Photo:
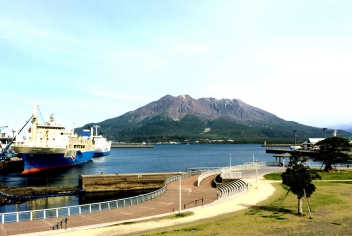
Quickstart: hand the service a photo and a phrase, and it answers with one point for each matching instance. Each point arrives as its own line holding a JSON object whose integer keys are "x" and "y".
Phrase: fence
{"x": 245, "y": 166}
{"x": 88, "y": 208}
{"x": 234, "y": 187}
{"x": 231, "y": 175}
{"x": 315, "y": 165}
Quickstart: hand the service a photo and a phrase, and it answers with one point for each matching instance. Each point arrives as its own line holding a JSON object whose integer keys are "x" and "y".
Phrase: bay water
{"x": 161, "y": 158}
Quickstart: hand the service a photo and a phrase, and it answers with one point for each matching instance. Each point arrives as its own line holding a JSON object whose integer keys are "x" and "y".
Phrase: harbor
{"x": 122, "y": 161}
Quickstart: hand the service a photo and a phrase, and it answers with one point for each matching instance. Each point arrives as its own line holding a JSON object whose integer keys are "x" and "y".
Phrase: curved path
{"x": 168, "y": 203}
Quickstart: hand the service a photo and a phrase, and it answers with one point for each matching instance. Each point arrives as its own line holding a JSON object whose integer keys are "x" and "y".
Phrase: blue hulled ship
{"x": 52, "y": 146}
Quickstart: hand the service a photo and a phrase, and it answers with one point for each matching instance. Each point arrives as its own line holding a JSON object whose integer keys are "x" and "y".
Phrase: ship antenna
{"x": 41, "y": 115}
{"x": 73, "y": 129}
{"x": 96, "y": 129}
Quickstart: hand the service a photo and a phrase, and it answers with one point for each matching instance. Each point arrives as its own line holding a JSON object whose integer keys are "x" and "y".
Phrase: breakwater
{"x": 131, "y": 145}
{"x": 309, "y": 153}
{"x": 123, "y": 182}
{"x": 277, "y": 145}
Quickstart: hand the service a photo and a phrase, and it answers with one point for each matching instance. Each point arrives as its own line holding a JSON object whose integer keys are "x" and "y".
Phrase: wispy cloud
{"x": 119, "y": 96}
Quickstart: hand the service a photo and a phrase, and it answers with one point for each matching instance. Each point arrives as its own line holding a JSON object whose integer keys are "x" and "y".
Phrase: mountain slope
{"x": 183, "y": 117}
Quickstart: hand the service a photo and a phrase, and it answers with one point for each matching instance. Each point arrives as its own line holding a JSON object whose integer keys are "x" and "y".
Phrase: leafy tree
{"x": 299, "y": 178}
{"x": 333, "y": 150}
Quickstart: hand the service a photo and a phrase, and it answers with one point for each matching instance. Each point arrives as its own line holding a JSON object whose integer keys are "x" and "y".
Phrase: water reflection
{"x": 62, "y": 201}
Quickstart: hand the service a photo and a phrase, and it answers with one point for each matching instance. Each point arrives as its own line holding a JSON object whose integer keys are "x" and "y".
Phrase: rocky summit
{"x": 205, "y": 108}
{"x": 184, "y": 118}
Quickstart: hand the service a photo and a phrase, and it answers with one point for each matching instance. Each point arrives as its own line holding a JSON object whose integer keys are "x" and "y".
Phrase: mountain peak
{"x": 205, "y": 108}
{"x": 221, "y": 118}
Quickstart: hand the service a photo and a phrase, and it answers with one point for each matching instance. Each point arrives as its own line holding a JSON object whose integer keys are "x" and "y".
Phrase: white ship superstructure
{"x": 102, "y": 145}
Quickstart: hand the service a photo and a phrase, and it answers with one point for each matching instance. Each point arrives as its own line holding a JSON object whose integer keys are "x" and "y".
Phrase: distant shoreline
{"x": 277, "y": 145}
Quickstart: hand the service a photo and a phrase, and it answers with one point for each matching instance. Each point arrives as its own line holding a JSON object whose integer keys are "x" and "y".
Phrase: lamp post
{"x": 13, "y": 133}
{"x": 230, "y": 161}
{"x": 324, "y": 132}
{"x": 295, "y": 136}
{"x": 256, "y": 174}
{"x": 179, "y": 208}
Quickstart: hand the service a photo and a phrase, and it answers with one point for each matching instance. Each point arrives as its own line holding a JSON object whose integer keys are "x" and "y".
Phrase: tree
{"x": 333, "y": 150}
{"x": 299, "y": 178}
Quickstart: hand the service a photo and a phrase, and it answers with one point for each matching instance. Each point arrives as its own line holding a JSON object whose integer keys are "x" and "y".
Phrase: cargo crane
{"x": 3, "y": 127}
{"x": 4, "y": 150}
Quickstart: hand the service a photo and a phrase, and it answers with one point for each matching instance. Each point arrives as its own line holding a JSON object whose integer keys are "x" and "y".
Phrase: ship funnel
{"x": 86, "y": 133}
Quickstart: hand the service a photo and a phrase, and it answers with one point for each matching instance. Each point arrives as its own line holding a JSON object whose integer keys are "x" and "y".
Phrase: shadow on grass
{"x": 269, "y": 212}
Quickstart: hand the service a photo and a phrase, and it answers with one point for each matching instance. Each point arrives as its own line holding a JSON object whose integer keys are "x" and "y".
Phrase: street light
{"x": 230, "y": 161}
{"x": 179, "y": 208}
{"x": 256, "y": 174}
{"x": 295, "y": 136}
{"x": 324, "y": 132}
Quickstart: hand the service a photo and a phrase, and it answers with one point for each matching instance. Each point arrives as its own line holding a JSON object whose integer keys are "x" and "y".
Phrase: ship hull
{"x": 39, "y": 159}
{"x": 101, "y": 153}
{"x": 102, "y": 147}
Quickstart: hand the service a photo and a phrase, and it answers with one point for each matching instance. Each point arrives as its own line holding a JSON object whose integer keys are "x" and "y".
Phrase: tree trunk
{"x": 327, "y": 167}
{"x": 299, "y": 206}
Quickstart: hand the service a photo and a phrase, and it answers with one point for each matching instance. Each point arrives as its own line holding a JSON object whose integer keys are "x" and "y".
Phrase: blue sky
{"x": 88, "y": 61}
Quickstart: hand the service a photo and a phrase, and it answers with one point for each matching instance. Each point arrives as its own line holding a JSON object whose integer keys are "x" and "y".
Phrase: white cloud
{"x": 118, "y": 96}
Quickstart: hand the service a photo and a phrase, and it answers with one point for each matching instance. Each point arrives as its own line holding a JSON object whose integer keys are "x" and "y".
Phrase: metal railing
{"x": 194, "y": 201}
{"x": 60, "y": 224}
{"x": 245, "y": 166}
{"x": 234, "y": 187}
{"x": 231, "y": 175}
{"x": 314, "y": 165}
{"x": 207, "y": 174}
{"x": 88, "y": 208}
{"x": 338, "y": 165}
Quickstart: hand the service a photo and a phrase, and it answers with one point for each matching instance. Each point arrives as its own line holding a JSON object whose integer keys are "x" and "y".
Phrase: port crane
{"x": 4, "y": 150}
{"x": 3, "y": 127}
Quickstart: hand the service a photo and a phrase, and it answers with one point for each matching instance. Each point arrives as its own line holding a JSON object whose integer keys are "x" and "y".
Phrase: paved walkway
{"x": 167, "y": 203}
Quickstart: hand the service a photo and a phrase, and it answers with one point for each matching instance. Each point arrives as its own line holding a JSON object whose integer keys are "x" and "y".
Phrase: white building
{"x": 310, "y": 144}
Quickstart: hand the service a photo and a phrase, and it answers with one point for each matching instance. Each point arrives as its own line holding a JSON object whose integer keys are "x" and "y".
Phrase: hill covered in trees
{"x": 183, "y": 118}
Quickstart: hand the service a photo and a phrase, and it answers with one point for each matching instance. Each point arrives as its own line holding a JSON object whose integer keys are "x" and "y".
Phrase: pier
{"x": 308, "y": 153}
{"x": 131, "y": 145}
{"x": 119, "y": 182}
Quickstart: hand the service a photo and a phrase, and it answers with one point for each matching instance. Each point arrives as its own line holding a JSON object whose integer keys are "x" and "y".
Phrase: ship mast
{"x": 96, "y": 129}
{"x": 34, "y": 122}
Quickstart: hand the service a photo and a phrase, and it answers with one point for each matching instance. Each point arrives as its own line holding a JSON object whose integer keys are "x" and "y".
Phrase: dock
{"x": 308, "y": 153}
{"x": 117, "y": 182}
{"x": 131, "y": 145}
{"x": 277, "y": 145}
{"x": 13, "y": 164}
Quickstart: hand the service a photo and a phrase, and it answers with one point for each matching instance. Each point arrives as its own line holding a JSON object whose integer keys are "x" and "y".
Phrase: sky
{"x": 88, "y": 61}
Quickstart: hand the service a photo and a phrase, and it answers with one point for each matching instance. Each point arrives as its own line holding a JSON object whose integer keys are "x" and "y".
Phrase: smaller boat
{"x": 102, "y": 145}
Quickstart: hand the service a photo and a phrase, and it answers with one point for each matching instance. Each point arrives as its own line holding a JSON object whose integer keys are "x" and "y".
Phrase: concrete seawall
{"x": 116, "y": 182}
{"x": 130, "y": 145}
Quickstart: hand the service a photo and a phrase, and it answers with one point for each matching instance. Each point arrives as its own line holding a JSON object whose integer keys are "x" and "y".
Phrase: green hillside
{"x": 161, "y": 128}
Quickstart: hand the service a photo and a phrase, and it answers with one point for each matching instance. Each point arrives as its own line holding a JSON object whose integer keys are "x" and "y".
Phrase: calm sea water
{"x": 161, "y": 158}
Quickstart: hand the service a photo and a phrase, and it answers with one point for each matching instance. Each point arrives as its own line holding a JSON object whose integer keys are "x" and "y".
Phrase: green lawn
{"x": 336, "y": 175}
{"x": 331, "y": 214}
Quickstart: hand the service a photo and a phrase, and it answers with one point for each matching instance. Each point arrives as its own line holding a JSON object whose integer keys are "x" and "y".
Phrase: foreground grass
{"x": 331, "y": 213}
{"x": 336, "y": 175}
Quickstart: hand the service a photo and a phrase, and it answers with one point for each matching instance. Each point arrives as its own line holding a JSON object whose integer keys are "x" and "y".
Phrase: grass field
{"x": 336, "y": 175}
{"x": 330, "y": 205}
